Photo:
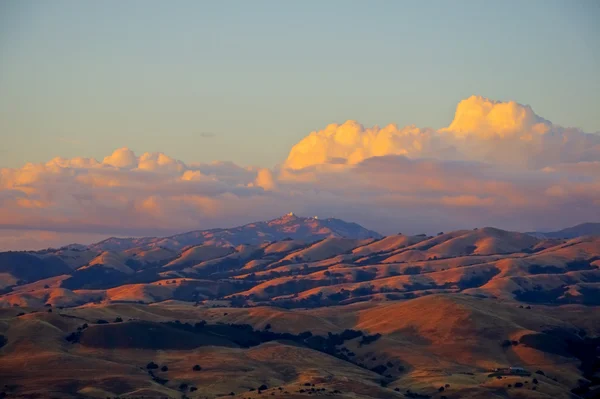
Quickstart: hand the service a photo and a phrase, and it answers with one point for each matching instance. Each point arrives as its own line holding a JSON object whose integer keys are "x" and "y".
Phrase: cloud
{"x": 505, "y": 133}
{"x": 264, "y": 179}
{"x": 483, "y": 118}
{"x": 497, "y": 163}
{"x": 121, "y": 158}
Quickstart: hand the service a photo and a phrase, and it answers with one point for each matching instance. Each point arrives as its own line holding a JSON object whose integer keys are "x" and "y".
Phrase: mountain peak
{"x": 291, "y": 216}
{"x": 308, "y": 229}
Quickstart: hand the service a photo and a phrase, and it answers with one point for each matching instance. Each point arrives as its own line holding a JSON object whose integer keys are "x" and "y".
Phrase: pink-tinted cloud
{"x": 495, "y": 164}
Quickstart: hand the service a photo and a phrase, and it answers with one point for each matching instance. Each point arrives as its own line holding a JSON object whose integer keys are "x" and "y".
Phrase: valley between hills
{"x": 298, "y": 307}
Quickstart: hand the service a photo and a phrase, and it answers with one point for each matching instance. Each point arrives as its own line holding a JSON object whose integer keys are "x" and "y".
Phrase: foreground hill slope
{"x": 371, "y": 349}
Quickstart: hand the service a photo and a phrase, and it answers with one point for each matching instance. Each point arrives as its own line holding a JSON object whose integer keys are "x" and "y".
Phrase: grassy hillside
{"x": 400, "y": 316}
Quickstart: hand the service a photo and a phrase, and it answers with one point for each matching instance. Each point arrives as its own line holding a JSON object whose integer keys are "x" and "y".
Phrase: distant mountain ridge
{"x": 287, "y": 226}
{"x": 289, "y": 273}
{"x": 584, "y": 229}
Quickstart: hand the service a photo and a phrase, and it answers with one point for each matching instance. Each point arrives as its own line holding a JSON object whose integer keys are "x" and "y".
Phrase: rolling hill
{"x": 347, "y": 313}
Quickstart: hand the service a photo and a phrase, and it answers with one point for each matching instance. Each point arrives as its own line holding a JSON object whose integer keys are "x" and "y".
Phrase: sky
{"x": 142, "y": 117}
{"x": 206, "y": 80}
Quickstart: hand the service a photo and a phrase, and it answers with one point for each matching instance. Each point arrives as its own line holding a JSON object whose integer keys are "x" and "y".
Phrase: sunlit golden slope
{"x": 324, "y": 249}
{"x": 112, "y": 260}
{"x": 198, "y": 254}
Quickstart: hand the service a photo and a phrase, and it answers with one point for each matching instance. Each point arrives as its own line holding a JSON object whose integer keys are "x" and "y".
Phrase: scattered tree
{"x": 151, "y": 366}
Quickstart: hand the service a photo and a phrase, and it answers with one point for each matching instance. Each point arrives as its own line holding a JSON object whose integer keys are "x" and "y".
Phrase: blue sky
{"x": 244, "y": 81}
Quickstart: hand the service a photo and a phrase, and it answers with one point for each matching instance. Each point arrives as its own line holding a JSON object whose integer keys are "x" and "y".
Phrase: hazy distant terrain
{"x": 572, "y": 232}
{"x": 289, "y": 226}
{"x": 305, "y": 307}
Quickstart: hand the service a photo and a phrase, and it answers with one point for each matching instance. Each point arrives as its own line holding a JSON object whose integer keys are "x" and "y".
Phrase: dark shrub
{"x": 535, "y": 381}
{"x": 164, "y": 368}
{"x": 183, "y": 386}
{"x": 192, "y": 389}
{"x": 263, "y": 387}
{"x": 102, "y": 321}
{"x": 518, "y": 384}
{"x": 268, "y": 327}
{"x": 441, "y": 389}
{"x": 118, "y": 320}
{"x": 506, "y": 343}
{"x": 196, "y": 367}
{"x": 157, "y": 379}
{"x": 151, "y": 366}
{"x": 367, "y": 339}
{"x": 379, "y": 369}
{"x": 74, "y": 337}
{"x": 3, "y": 341}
